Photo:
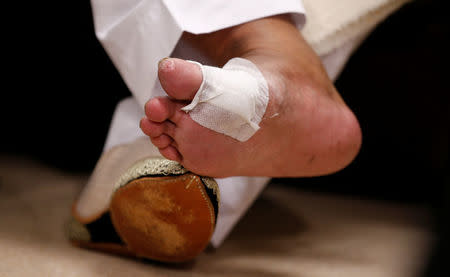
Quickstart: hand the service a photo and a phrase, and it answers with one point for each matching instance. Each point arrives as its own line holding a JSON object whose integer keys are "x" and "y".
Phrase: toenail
{"x": 166, "y": 64}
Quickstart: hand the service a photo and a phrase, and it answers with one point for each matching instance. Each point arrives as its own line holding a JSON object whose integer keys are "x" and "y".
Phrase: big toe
{"x": 179, "y": 78}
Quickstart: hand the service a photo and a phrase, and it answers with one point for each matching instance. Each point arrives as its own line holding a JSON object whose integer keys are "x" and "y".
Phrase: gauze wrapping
{"x": 231, "y": 100}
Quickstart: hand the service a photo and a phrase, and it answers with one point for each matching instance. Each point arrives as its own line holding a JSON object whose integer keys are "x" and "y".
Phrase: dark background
{"x": 61, "y": 90}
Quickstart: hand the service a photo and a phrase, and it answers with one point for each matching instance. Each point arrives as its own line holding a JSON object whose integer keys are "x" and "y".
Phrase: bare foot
{"x": 307, "y": 129}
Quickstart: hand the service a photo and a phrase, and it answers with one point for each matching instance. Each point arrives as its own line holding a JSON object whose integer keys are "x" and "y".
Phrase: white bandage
{"x": 231, "y": 100}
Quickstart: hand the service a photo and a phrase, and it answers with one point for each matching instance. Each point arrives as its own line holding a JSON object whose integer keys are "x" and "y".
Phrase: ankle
{"x": 244, "y": 39}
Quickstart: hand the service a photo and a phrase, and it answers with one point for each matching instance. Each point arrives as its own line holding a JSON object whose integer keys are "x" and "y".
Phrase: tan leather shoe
{"x": 158, "y": 211}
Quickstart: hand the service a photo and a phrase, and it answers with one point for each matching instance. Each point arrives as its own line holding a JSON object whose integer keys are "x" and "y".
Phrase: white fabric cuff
{"x": 136, "y": 34}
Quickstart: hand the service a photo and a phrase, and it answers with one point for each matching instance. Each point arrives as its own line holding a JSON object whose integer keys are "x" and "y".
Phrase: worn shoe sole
{"x": 167, "y": 219}
{"x": 163, "y": 218}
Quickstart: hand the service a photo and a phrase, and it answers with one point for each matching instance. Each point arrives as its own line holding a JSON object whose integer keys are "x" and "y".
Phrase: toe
{"x": 156, "y": 129}
{"x": 151, "y": 129}
{"x": 179, "y": 78}
{"x": 162, "y": 108}
{"x": 162, "y": 141}
{"x": 157, "y": 109}
{"x": 171, "y": 153}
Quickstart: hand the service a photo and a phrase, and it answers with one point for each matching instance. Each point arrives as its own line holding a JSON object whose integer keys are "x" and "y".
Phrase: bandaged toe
{"x": 231, "y": 100}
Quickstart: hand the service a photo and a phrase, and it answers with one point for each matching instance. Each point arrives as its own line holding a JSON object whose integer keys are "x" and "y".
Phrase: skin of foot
{"x": 307, "y": 129}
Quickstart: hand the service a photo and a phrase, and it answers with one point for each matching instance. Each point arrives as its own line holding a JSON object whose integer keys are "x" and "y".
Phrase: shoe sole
{"x": 169, "y": 218}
